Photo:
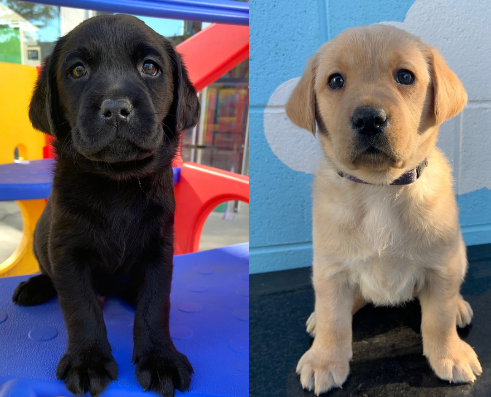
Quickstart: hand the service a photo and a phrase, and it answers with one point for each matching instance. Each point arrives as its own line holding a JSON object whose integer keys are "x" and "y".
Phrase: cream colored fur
{"x": 379, "y": 243}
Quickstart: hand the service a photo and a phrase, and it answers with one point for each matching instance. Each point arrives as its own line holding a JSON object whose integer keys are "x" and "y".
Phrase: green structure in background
{"x": 10, "y": 46}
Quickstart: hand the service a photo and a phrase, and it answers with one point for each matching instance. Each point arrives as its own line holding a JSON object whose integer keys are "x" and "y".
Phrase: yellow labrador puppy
{"x": 385, "y": 224}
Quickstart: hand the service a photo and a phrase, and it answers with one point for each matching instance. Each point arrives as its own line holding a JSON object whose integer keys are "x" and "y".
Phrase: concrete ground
{"x": 10, "y": 228}
{"x": 217, "y": 232}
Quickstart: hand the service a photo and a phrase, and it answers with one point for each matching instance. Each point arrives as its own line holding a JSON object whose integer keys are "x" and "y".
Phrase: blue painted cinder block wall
{"x": 283, "y": 35}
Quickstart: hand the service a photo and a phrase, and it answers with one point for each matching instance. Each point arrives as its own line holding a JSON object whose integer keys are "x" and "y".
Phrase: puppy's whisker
{"x": 64, "y": 146}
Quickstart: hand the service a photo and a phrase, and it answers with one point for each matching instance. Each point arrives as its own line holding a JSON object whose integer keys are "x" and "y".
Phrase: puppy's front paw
{"x": 321, "y": 370}
{"x": 457, "y": 364}
{"x": 162, "y": 372}
{"x": 90, "y": 372}
{"x": 464, "y": 313}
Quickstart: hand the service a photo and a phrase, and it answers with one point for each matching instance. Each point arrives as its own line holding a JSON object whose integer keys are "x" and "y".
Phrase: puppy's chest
{"x": 388, "y": 280}
{"x": 385, "y": 257}
{"x": 123, "y": 234}
{"x": 381, "y": 226}
{"x": 377, "y": 227}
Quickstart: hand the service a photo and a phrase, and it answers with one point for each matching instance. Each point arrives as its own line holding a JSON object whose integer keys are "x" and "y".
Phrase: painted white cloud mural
{"x": 294, "y": 146}
{"x": 462, "y": 33}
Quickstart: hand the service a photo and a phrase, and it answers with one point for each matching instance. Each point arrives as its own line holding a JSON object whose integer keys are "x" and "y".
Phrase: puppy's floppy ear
{"x": 449, "y": 93}
{"x": 300, "y": 108}
{"x": 44, "y": 110}
{"x": 185, "y": 105}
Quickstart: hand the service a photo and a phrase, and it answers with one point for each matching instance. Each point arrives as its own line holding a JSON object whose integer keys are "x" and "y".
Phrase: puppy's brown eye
{"x": 79, "y": 71}
{"x": 405, "y": 77}
{"x": 150, "y": 68}
{"x": 336, "y": 81}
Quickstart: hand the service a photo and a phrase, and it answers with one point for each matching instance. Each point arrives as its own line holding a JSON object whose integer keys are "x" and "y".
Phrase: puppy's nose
{"x": 369, "y": 120}
{"x": 115, "y": 110}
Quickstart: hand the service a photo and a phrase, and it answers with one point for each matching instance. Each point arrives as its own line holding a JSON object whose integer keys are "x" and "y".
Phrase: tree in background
{"x": 38, "y": 14}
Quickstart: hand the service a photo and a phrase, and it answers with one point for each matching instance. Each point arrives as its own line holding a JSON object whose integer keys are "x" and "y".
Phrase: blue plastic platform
{"x": 33, "y": 180}
{"x": 209, "y": 323}
{"x": 220, "y": 11}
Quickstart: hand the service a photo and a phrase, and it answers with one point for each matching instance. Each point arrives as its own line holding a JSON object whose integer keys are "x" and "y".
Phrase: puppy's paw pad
{"x": 162, "y": 373}
{"x": 464, "y": 313}
{"x": 91, "y": 372}
{"x": 319, "y": 373}
{"x": 459, "y": 365}
{"x": 311, "y": 323}
{"x": 36, "y": 290}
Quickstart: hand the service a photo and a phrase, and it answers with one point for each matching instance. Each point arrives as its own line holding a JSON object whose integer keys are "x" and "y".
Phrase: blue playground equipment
{"x": 219, "y": 11}
{"x": 208, "y": 322}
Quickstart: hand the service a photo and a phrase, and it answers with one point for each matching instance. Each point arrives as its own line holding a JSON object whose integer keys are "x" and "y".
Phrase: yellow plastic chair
{"x": 17, "y": 83}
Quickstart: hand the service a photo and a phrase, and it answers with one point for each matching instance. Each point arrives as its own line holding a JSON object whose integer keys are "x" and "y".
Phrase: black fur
{"x": 108, "y": 224}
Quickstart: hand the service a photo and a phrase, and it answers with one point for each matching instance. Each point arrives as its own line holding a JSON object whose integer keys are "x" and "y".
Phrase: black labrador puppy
{"x": 115, "y": 95}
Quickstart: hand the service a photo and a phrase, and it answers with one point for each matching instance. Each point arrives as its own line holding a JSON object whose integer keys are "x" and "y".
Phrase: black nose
{"x": 369, "y": 120}
{"x": 115, "y": 110}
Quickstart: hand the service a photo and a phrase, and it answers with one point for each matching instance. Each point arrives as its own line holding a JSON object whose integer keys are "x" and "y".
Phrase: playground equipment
{"x": 208, "y": 55}
{"x": 219, "y": 11}
{"x": 208, "y": 322}
{"x": 202, "y": 189}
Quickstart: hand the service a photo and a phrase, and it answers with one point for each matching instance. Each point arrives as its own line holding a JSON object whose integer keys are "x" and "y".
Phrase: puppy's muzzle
{"x": 116, "y": 111}
{"x": 369, "y": 120}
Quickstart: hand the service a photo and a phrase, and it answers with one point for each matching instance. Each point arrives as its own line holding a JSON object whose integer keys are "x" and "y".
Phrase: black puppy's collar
{"x": 405, "y": 179}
